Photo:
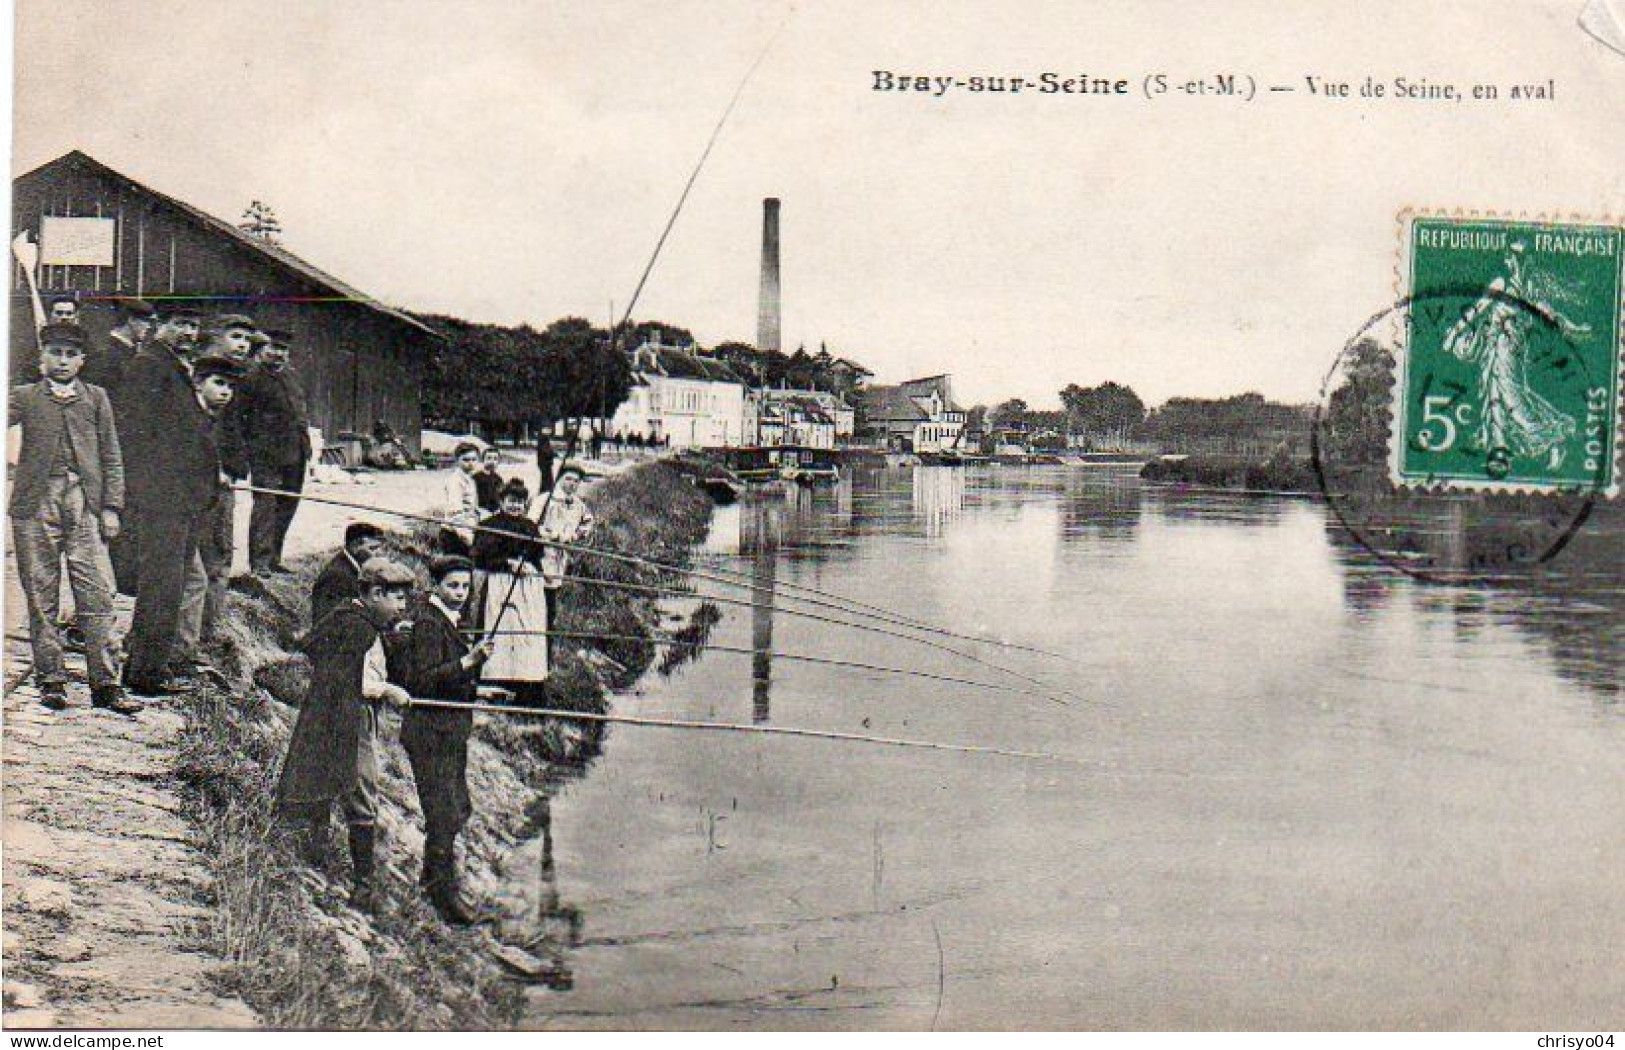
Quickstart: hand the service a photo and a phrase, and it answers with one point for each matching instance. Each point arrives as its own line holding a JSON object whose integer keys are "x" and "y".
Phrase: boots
{"x": 363, "y": 860}
{"x": 440, "y": 882}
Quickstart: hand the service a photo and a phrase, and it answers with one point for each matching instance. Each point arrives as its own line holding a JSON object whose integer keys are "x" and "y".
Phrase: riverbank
{"x": 280, "y": 941}
{"x": 1278, "y": 475}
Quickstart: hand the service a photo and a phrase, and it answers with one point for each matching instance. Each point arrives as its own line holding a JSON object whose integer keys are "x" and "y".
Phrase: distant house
{"x": 792, "y": 418}
{"x": 916, "y": 416}
{"x": 794, "y": 415}
{"x": 103, "y": 236}
{"x": 691, "y": 400}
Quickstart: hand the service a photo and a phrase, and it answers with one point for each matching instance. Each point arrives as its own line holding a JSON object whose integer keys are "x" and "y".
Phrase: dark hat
{"x": 385, "y": 572}
{"x": 224, "y": 321}
{"x": 279, "y": 336}
{"x": 136, "y": 307}
{"x": 514, "y": 487}
{"x": 216, "y": 365}
{"x": 464, "y": 448}
{"x": 63, "y": 334}
{"x": 358, "y": 530}
{"x": 168, "y": 308}
{"x": 447, "y": 564}
{"x": 259, "y": 339}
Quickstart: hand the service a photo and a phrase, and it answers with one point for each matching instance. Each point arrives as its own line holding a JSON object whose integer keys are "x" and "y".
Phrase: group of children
{"x": 371, "y": 643}
{"x": 158, "y": 456}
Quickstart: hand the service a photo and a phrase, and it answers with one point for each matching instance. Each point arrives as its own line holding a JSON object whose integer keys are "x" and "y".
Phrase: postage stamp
{"x": 1508, "y": 367}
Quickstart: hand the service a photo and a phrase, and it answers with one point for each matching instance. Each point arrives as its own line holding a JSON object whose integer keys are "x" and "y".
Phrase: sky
{"x": 508, "y": 162}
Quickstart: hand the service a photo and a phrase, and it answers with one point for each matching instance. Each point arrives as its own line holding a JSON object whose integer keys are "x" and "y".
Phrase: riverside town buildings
{"x": 917, "y": 416}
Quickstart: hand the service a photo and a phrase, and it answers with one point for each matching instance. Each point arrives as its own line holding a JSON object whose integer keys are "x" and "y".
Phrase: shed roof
{"x": 277, "y": 256}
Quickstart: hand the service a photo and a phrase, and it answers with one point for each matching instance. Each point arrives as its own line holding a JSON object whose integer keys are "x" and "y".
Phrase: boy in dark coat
{"x": 436, "y": 663}
{"x": 67, "y": 497}
{"x": 332, "y": 756}
{"x": 339, "y": 580}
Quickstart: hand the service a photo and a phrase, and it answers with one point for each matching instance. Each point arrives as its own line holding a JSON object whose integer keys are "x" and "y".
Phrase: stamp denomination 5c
{"x": 1508, "y": 371}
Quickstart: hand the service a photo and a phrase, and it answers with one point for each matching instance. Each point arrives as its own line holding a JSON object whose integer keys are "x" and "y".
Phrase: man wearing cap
{"x": 66, "y": 499}
{"x": 106, "y": 367}
{"x": 278, "y": 435}
{"x": 172, "y": 462}
{"x": 332, "y": 755}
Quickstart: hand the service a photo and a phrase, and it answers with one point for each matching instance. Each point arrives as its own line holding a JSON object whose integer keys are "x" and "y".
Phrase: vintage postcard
{"x": 824, "y": 515}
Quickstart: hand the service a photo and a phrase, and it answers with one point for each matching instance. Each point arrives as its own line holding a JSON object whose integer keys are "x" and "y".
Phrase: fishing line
{"x": 792, "y": 657}
{"x": 677, "y": 592}
{"x": 408, "y": 515}
{"x": 734, "y": 727}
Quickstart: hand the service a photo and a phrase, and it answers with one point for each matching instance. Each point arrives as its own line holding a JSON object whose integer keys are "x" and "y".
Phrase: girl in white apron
{"x": 510, "y": 565}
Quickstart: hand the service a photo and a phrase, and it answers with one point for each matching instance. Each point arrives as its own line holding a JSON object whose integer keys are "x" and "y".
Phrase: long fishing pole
{"x": 648, "y": 268}
{"x": 734, "y": 727}
{"x": 838, "y": 603}
{"x": 430, "y": 519}
{"x": 677, "y": 592}
{"x": 633, "y": 559}
{"x": 806, "y": 658}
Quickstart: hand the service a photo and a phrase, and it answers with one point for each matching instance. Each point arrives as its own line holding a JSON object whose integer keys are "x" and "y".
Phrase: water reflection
{"x": 939, "y": 497}
{"x": 1265, "y": 676}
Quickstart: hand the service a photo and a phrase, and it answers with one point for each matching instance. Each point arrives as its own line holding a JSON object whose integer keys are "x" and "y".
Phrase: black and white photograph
{"x": 814, "y": 516}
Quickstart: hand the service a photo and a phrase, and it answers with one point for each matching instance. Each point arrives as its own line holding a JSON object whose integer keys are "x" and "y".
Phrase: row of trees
{"x": 499, "y": 379}
{"x": 503, "y": 378}
{"x": 1112, "y": 414}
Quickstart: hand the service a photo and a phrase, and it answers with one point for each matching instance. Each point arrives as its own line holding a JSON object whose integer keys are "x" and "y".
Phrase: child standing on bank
{"x": 66, "y": 503}
{"x": 332, "y": 756}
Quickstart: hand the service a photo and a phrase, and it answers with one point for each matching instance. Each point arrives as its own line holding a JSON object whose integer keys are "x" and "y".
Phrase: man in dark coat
{"x": 278, "y": 435}
{"x": 545, "y": 459}
{"x": 436, "y": 663}
{"x": 105, "y": 367}
{"x": 337, "y": 582}
{"x": 172, "y": 470}
{"x": 332, "y": 755}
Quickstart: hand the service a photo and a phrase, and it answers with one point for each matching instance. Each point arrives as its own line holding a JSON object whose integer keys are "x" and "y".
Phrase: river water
{"x": 1310, "y": 791}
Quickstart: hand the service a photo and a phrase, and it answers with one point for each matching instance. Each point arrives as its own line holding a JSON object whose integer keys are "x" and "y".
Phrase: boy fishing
{"x": 437, "y": 664}
{"x": 332, "y": 756}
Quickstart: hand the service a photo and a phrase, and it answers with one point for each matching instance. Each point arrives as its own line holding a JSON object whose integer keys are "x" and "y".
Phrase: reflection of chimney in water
{"x": 768, "y": 307}
{"x": 764, "y": 566}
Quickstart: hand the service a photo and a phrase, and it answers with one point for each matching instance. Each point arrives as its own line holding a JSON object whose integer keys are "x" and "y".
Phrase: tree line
{"x": 500, "y": 379}
{"x": 1112, "y": 414}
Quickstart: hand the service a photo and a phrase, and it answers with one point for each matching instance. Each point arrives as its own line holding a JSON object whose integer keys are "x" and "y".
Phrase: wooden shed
{"x": 360, "y": 361}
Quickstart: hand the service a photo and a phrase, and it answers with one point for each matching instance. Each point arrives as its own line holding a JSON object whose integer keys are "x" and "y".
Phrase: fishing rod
{"x": 716, "y": 575}
{"x": 847, "y": 605}
{"x": 643, "y": 279}
{"x": 429, "y": 519}
{"x": 805, "y": 658}
{"x": 677, "y": 592}
{"x": 734, "y": 727}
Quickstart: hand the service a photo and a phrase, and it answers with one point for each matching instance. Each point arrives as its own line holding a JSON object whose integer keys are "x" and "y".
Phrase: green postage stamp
{"x": 1508, "y": 375}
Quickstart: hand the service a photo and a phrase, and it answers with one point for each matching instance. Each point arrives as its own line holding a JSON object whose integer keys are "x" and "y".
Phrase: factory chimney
{"x": 768, "y": 314}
